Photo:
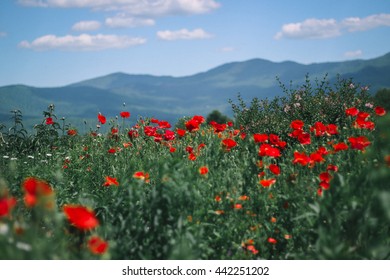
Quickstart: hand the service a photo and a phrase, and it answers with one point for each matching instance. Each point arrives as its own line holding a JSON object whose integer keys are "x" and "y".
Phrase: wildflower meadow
{"x": 303, "y": 176}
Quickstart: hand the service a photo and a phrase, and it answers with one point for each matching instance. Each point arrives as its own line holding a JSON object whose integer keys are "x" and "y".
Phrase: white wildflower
{"x": 4, "y": 228}
{"x": 23, "y": 246}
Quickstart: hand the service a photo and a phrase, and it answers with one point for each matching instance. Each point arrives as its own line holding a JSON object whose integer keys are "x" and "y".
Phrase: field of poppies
{"x": 304, "y": 176}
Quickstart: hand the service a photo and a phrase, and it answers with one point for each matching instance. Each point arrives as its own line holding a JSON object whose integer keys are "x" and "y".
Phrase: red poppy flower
{"x": 304, "y": 138}
{"x": 274, "y": 139}
{"x": 297, "y": 125}
{"x": 101, "y": 118}
{"x": 110, "y": 181}
{"x": 267, "y": 183}
{"x": 201, "y": 146}
{"x": 229, "y": 144}
{"x": 274, "y": 169}
{"x": 203, "y": 170}
{"x": 301, "y": 158}
{"x": 260, "y": 138}
{"x": 127, "y": 144}
{"x": 331, "y": 129}
{"x": 6, "y": 205}
{"x": 180, "y": 132}
{"x": 218, "y": 127}
{"x": 272, "y": 240}
{"x": 97, "y": 245}
{"x": 359, "y": 143}
{"x": 380, "y": 111}
{"x": 243, "y": 197}
{"x": 322, "y": 151}
{"x": 169, "y": 135}
{"x": 125, "y": 115}
{"x": 362, "y": 123}
{"x": 150, "y": 130}
{"x": 142, "y": 176}
{"x": 49, "y": 121}
{"x": 133, "y": 134}
{"x": 316, "y": 157}
{"x": 252, "y": 249}
{"x": 199, "y": 119}
{"x": 318, "y": 128}
{"x": 217, "y": 198}
{"x": 192, "y": 125}
{"x": 114, "y": 131}
{"x": 295, "y": 133}
{"x": 362, "y": 116}
{"x": 351, "y": 111}
{"x": 325, "y": 185}
{"x": 325, "y": 176}
{"x": 35, "y": 189}
{"x": 340, "y": 147}
{"x": 192, "y": 156}
{"x": 81, "y": 217}
{"x": 268, "y": 150}
{"x": 72, "y": 132}
{"x": 164, "y": 124}
{"x": 112, "y": 151}
{"x": 153, "y": 120}
{"x": 157, "y": 137}
{"x": 237, "y": 206}
{"x": 332, "y": 167}
{"x": 281, "y": 144}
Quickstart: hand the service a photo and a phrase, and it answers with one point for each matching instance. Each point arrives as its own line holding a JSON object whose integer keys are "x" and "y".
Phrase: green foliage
{"x": 218, "y": 117}
{"x": 310, "y": 102}
{"x": 382, "y": 98}
{"x": 154, "y": 200}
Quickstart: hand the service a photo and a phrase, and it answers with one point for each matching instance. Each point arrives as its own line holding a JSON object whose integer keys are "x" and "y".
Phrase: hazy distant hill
{"x": 170, "y": 98}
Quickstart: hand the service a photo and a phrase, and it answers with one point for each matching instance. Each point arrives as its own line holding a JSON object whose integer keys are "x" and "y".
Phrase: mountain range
{"x": 170, "y": 98}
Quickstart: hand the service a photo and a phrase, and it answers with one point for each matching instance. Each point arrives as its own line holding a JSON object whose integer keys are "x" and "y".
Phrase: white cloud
{"x": 83, "y": 42}
{"x": 326, "y": 28}
{"x": 86, "y": 25}
{"x": 123, "y": 21}
{"x": 353, "y": 54}
{"x": 3, "y": 34}
{"x": 361, "y": 24}
{"x": 310, "y": 28}
{"x": 183, "y": 34}
{"x": 133, "y": 7}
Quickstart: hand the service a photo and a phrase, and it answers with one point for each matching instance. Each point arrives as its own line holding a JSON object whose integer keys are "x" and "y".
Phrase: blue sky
{"x": 58, "y": 42}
